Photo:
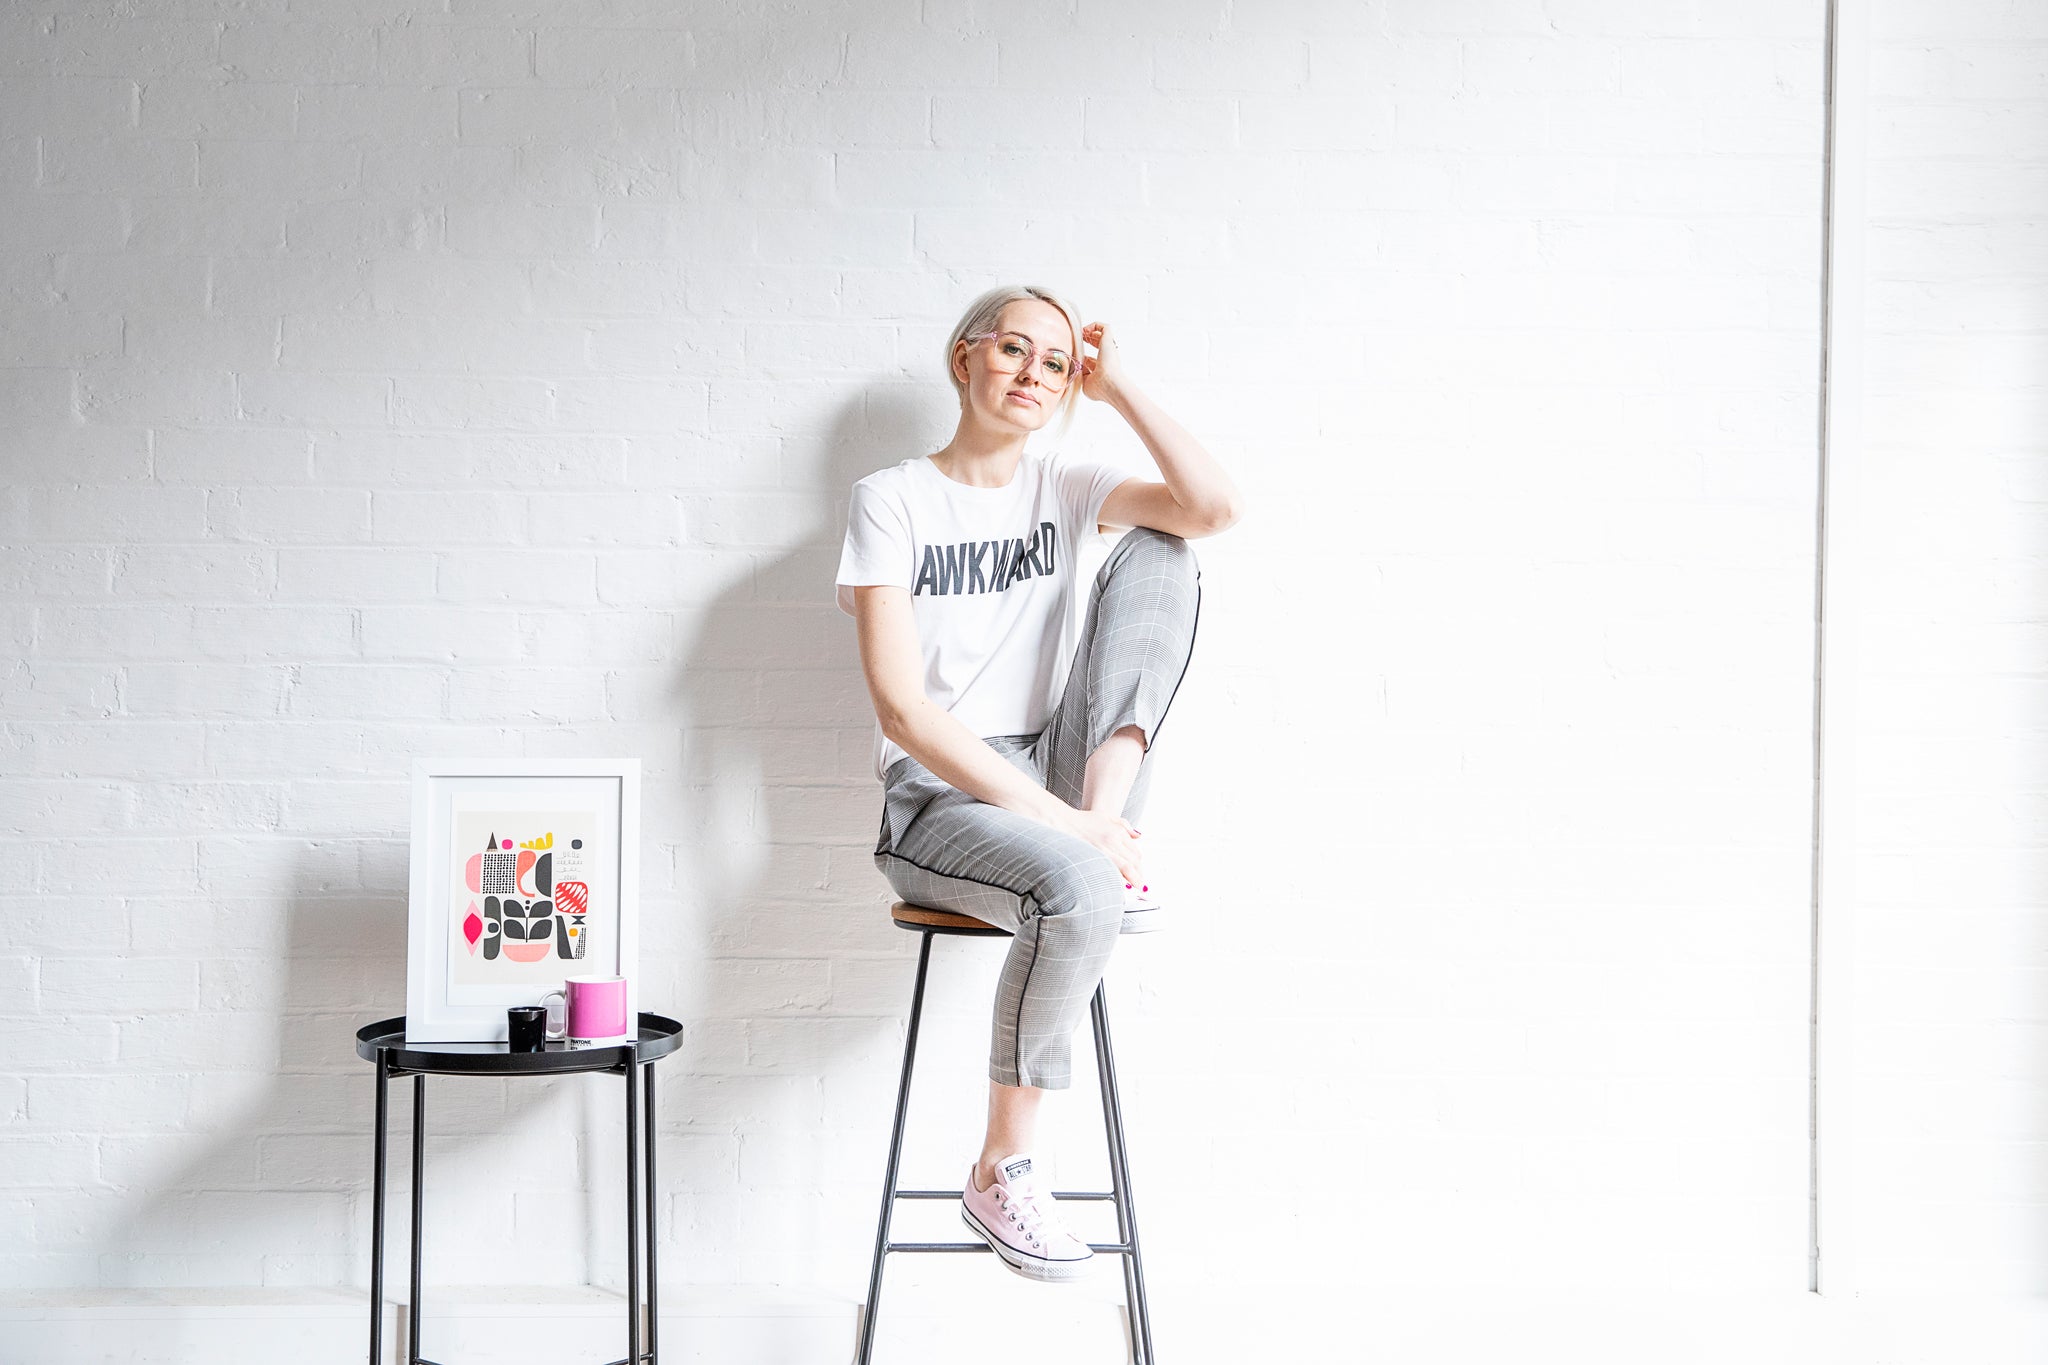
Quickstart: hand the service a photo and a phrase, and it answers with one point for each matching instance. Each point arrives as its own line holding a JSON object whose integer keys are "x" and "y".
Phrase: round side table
{"x": 384, "y": 1044}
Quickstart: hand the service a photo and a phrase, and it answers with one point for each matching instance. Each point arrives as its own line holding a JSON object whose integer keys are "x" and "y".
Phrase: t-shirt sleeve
{"x": 1084, "y": 486}
{"x": 878, "y": 544}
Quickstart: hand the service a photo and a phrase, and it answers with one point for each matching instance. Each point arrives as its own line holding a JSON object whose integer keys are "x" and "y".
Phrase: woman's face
{"x": 1001, "y": 386}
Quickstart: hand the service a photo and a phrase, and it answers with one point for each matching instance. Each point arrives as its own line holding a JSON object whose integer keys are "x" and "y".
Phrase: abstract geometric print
{"x": 523, "y": 909}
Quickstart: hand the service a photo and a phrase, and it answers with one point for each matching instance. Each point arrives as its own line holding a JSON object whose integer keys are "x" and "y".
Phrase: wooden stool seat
{"x": 923, "y": 917}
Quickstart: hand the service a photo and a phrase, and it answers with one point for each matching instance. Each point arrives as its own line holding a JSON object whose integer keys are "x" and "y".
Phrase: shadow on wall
{"x": 271, "y": 1182}
{"x": 778, "y": 959}
{"x": 793, "y": 984}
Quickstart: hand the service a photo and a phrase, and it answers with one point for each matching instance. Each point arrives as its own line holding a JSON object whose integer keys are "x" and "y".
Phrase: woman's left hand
{"x": 1102, "y": 373}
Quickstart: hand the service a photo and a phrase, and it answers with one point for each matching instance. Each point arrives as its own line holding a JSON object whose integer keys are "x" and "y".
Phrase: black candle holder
{"x": 526, "y": 1027}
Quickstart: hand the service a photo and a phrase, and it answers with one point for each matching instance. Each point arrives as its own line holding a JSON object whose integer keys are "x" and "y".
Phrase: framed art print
{"x": 524, "y": 873}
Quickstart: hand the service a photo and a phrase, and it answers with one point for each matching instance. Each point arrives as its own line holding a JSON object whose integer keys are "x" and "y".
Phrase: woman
{"x": 1010, "y": 776}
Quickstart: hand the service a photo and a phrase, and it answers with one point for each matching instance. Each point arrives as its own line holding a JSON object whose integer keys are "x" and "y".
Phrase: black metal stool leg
{"x": 632, "y": 1215}
{"x": 377, "y": 1212}
{"x": 1120, "y": 1184}
{"x": 653, "y": 1229}
{"x": 868, "y": 1311}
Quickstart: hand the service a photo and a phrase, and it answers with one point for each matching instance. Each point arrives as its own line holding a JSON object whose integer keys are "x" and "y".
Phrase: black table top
{"x": 659, "y": 1036}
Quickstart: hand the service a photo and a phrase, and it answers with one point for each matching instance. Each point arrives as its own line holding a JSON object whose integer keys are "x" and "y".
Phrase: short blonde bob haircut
{"x": 981, "y": 316}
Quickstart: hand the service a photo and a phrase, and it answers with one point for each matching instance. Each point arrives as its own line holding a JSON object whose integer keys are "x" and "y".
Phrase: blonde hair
{"x": 981, "y": 316}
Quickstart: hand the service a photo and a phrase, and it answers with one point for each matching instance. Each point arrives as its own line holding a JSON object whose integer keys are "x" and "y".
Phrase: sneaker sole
{"x": 1144, "y": 921}
{"x": 1030, "y": 1267}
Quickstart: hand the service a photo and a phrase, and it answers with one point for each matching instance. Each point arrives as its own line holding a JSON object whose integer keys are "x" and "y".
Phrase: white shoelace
{"x": 1020, "y": 1202}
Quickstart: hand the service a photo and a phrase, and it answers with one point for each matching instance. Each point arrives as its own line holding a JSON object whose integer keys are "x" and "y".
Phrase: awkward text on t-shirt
{"x": 986, "y": 565}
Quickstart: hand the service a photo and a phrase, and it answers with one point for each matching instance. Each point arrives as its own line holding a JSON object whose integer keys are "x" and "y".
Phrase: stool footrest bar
{"x": 955, "y": 1194}
{"x": 1112, "y": 1248}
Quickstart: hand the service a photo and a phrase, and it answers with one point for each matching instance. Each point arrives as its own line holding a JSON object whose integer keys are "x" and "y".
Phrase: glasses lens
{"x": 1015, "y": 351}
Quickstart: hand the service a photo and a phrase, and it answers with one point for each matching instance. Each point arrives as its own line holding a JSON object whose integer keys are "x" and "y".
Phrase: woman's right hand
{"x": 1114, "y": 835}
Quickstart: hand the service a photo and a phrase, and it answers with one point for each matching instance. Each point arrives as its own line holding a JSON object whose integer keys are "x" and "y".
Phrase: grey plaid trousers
{"x": 1061, "y": 897}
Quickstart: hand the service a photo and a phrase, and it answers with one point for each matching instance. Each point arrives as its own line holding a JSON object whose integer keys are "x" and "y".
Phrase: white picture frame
{"x": 462, "y": 975}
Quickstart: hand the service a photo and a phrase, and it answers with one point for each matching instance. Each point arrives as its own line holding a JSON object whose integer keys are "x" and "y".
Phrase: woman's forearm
{"x": 1188, "y": 470}
{"x": 963, "y": 759}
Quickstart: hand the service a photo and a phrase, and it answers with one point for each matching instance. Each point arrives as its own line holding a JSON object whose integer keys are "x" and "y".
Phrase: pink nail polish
{"x": 1144, "y": 888}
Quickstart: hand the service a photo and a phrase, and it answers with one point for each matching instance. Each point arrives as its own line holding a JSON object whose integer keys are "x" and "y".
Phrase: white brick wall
{"x": 379, "y": 382}
{"x": 1951, "y": 1030}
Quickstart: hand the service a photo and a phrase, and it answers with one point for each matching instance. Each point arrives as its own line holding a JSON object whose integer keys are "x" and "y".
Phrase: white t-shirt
{"x": 991, "y": 577}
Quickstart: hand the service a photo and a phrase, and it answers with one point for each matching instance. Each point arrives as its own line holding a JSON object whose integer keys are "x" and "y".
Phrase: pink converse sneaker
{"x": 1142, "y": 911}
{"x": 1021, "y": 1226}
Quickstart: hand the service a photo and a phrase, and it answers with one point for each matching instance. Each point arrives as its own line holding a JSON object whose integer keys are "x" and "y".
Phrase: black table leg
{"x": 653, "y": 1233}
{"x": 419, "y": 1171}
{"x": 632, "y": 1215}
{"x": 377, "y": 1213}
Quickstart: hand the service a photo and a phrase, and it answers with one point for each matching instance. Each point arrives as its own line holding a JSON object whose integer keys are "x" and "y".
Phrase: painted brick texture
{"x": 1949, "y": 1015}
{"x": 380, "y": 383}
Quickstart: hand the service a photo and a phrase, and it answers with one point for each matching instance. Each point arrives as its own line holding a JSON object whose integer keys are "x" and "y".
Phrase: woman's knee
{"x": 1088, "y": 900}
{"x": 1157, "y": 550}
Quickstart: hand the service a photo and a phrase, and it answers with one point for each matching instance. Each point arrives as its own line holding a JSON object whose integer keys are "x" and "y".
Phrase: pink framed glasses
{"x": 1016, "y": 352}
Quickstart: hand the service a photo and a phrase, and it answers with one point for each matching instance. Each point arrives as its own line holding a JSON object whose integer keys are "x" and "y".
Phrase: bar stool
{"x": 926, "y": 922}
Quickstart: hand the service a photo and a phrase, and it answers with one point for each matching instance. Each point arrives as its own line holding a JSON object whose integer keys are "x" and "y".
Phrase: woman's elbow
{"x": 1223, "y": 516}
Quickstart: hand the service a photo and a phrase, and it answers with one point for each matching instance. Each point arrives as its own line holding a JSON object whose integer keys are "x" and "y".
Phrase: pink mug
{"x": 594, "y": 1008}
